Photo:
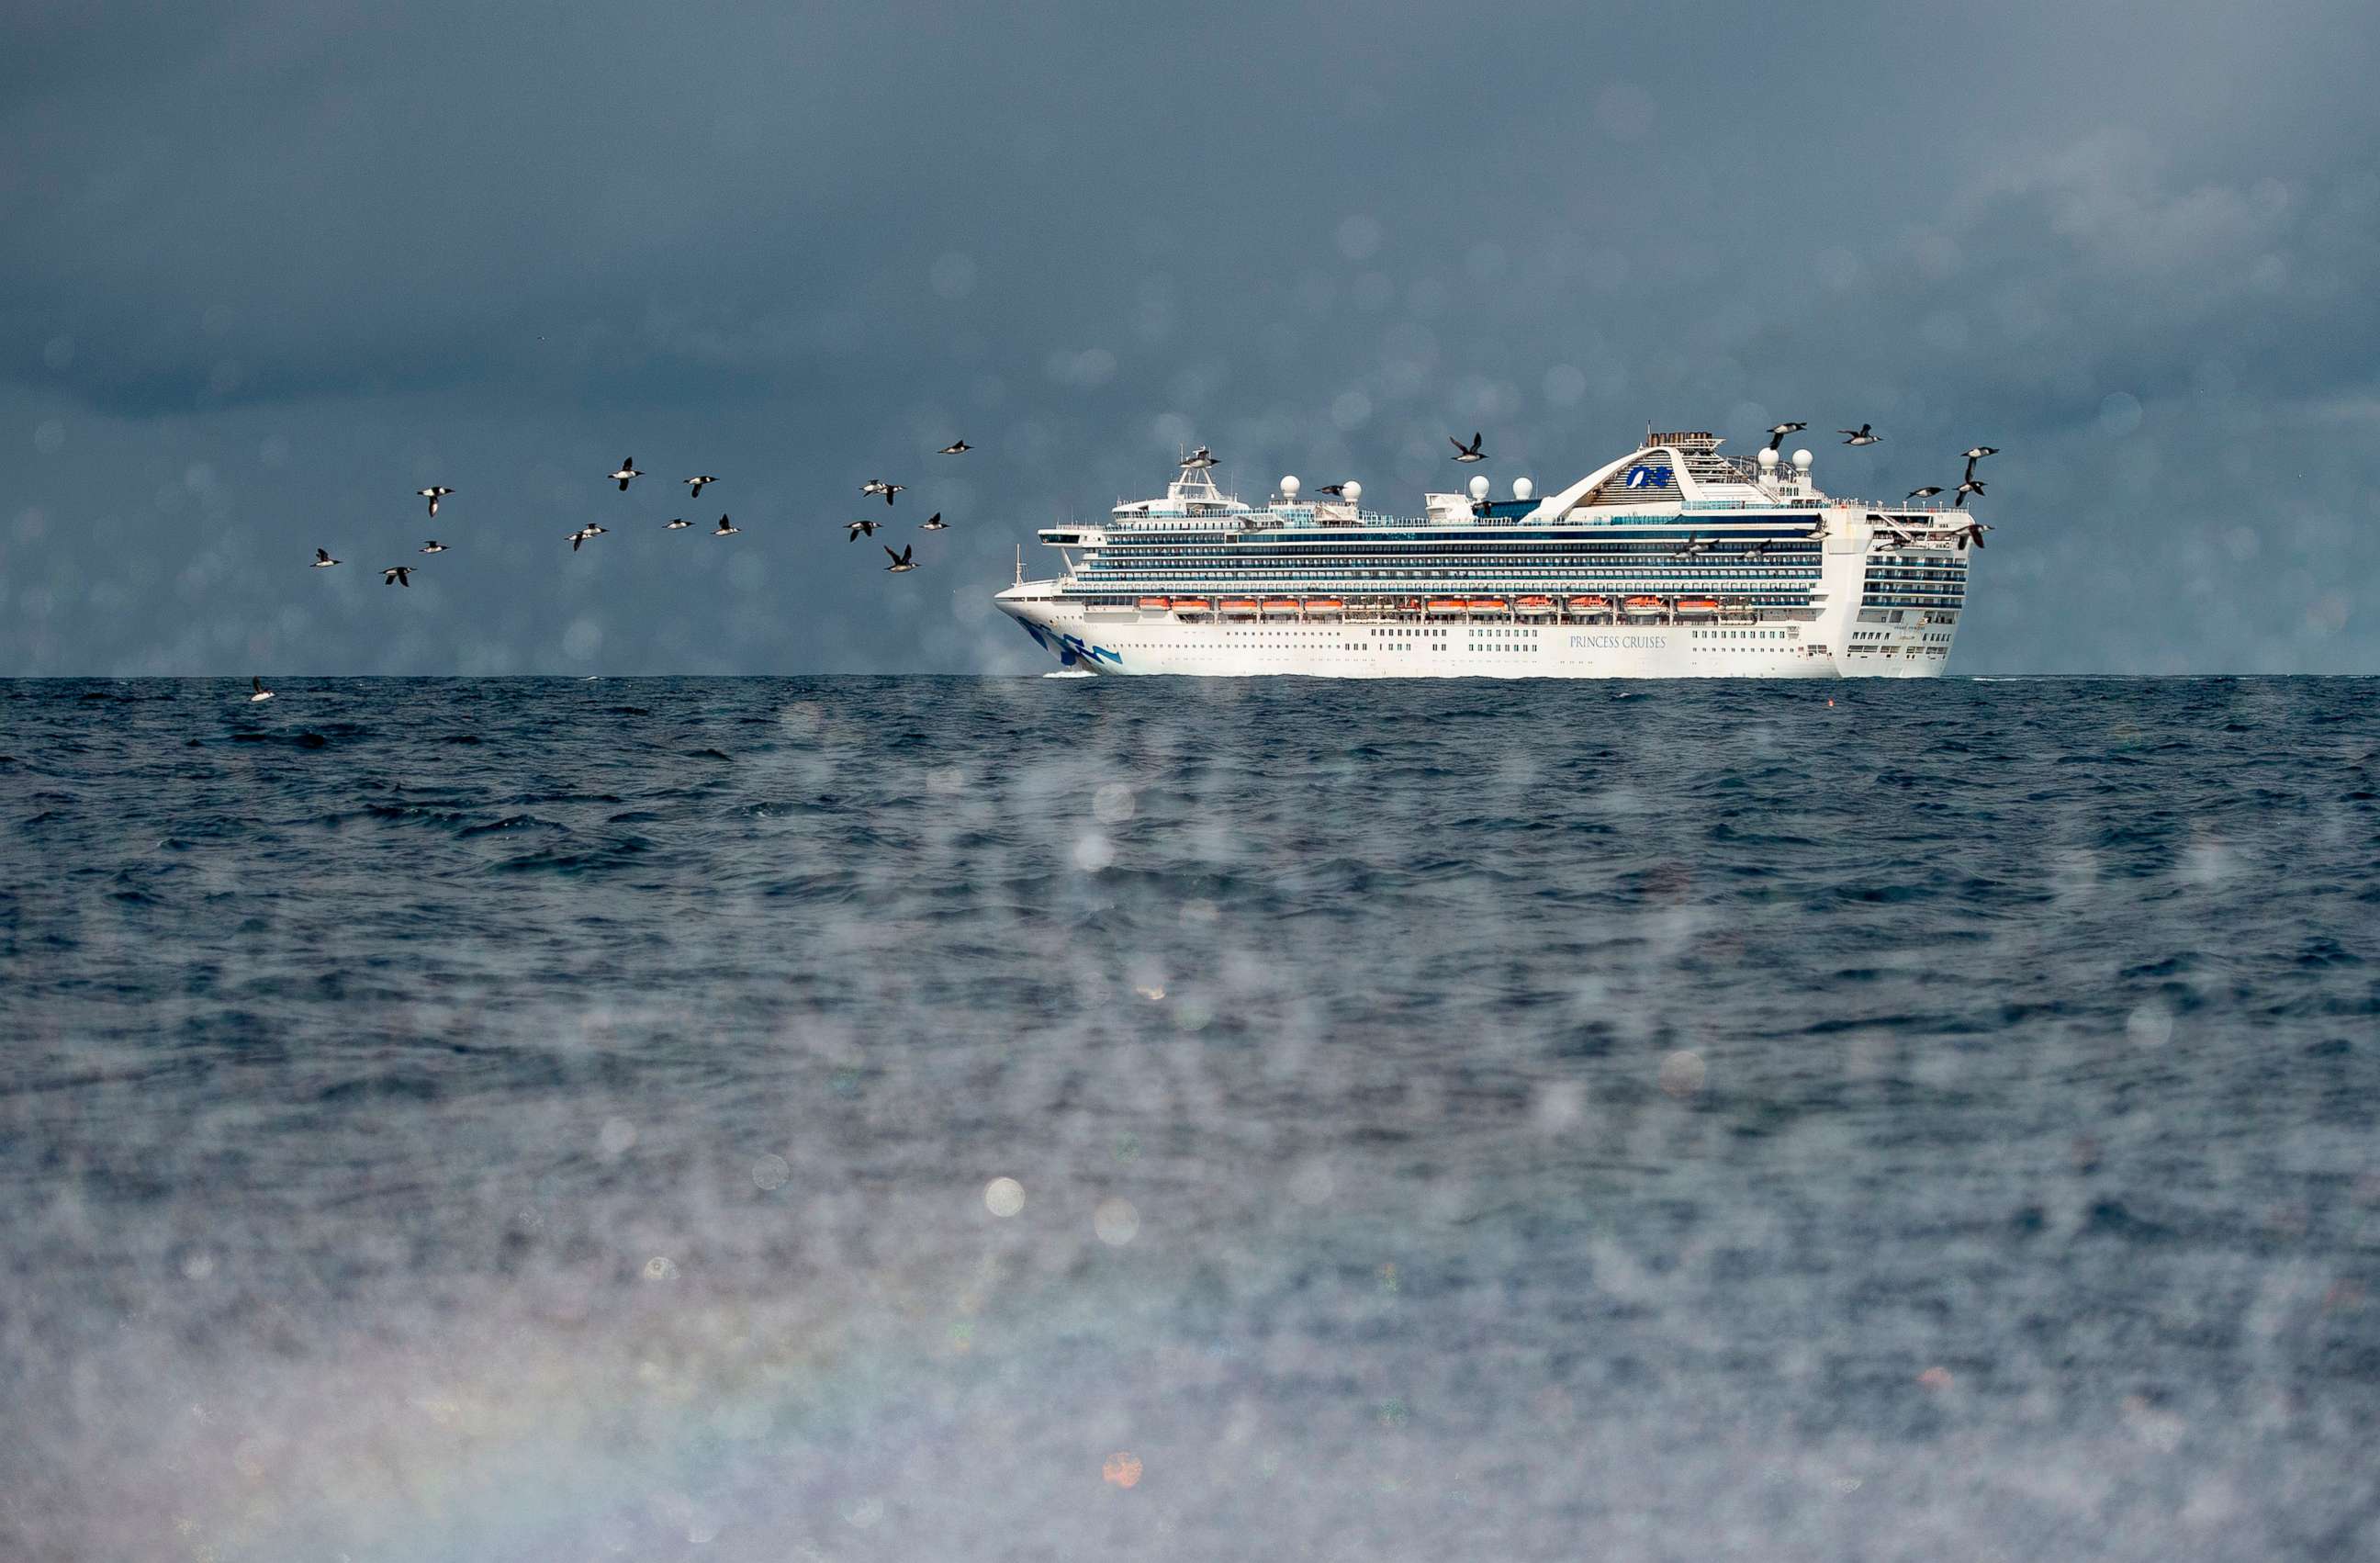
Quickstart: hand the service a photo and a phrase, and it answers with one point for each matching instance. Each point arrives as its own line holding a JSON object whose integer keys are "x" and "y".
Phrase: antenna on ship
{"x": 1020, "y": 564}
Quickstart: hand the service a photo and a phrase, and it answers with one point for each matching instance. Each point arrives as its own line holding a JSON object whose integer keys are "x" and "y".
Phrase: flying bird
{"x": 322, "y": 560}
{"x": 696, "y": 485}
{"x": 678, "y": 525}
{"x": 1971, "y": 532}
{"x": 627, "y": 471}
{"x": 1693, "y": 545}
{"x": 1924, "y": 493}
{"x": 1467, "y": 453}
{"x": 956, "y": 448}
{"x": 1201, "y": 458}
{"x": 1778, "y": 432}
{"x": 1976, "y": 452}
{"x": 398, "y": 575}
{"x": 1973, "y": 486}
{"x": 585, "y": 532}
{"x": 900, "y": 561}
{"x": 889, "y": 490}
{"x": 862, "y": 529}
{"x": 257, "y": 684}
{"x": 1336, "y": 491}
{"x": 1861, "y": 435}
{"x": 433, "y": 494}
{"x": 934, "y": 523}
{"x": 725, "y": 528}
{"x": 433, "y": 546}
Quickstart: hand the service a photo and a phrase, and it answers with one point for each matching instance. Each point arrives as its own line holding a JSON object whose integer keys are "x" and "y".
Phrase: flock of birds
{"x": 1865, "y": 434}
{"x": 628, "y": 472}
{"x": 1973, "y": 531}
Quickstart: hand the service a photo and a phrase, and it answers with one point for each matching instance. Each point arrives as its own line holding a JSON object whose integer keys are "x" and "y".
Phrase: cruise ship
{"x": 1673, "y": 562}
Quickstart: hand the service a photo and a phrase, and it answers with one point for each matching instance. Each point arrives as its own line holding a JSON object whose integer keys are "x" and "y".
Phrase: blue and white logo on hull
{"x": 1644, "y": 475}
{"x": 1071, "y": 649}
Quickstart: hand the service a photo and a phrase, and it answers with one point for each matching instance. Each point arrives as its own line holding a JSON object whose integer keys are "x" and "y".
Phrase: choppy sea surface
{"x": 535, "y": 1120}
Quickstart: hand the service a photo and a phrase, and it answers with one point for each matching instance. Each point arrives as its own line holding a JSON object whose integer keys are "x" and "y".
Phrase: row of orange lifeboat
{"x": 1444, "y": 607}
{"x": 1247, "y": 607}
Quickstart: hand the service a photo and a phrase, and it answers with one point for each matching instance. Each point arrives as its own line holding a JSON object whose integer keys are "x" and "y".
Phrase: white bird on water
{"x": 261, "y": 693}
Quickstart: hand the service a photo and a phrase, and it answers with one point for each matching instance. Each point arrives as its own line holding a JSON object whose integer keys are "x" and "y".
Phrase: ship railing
{"x": 1902, "y": 507}
{"x": 1275, "y": 517}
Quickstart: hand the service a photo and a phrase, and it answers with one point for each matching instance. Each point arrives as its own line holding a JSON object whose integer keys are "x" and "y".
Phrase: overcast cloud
{"x": 267, "y": 271}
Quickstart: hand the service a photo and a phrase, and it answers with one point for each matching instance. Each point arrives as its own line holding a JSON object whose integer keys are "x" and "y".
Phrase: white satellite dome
{"x": 1289, "y": 487}
{"x": 1355, "y": 492}
{"x": 1802, "y": 459}
{"x": 1523, "y": 488}
{"x": 1478, "y": 488}
{"x": 1768, "y": 456}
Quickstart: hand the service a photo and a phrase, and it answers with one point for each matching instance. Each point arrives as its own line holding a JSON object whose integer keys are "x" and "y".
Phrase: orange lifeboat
{"x": 1448, "y": 605}
{"x": 1489, "y": 605}
{"x": 1698, "y": 605}
{"x": 1280, "y": 606}
{"x": 1534, "y": 605}
{"x": 1238, "y": 604}
{"x": 1160, "y": 602}
{"x": 1590, "y": 605}
{"x": 1325, "y": 604}
{"x": 1642, "y": 604}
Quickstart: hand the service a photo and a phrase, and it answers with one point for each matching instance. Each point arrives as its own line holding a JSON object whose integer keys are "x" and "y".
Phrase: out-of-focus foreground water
{"x": 541, "y": 1120}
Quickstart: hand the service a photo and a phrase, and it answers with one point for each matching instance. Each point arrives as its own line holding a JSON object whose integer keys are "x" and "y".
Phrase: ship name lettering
{"x": 1621, "y": 642}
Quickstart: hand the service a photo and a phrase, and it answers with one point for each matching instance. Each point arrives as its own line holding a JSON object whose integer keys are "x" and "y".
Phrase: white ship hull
{"x": 1156, "y": 642}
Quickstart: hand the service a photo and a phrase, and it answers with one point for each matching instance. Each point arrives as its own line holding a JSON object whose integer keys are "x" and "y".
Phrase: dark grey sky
{"x": 264, "y": 273}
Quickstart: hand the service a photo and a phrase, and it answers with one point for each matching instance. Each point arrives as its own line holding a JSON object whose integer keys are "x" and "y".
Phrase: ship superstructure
{"x": 1673, "y": 561}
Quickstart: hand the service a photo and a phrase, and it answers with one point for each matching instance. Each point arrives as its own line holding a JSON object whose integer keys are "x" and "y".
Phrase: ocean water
{"x": 537, "y": 1120}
